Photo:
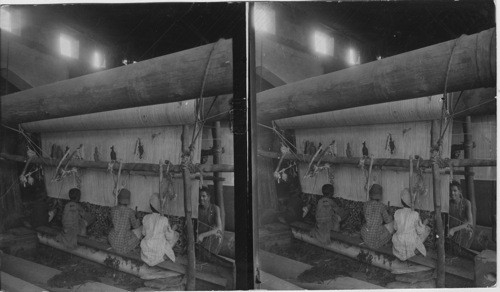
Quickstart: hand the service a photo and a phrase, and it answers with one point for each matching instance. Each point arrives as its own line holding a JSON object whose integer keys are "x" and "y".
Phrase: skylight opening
{"x": 323, "y": 43}
{"x": 353, "y": 57}
{"x": 264, "y": 19}
{"x": 98, "y": 60}
{"x": 5, "y": 20}
{"x": 68, "y": 46}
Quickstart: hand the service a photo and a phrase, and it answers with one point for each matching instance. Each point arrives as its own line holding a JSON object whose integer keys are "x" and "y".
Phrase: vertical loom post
{"x": 469, "y": 175}
{"x": 186, "y": 177}
{"x": 218, "y": 185}
{"x": 436, "y": 187}
{"x": 159, "y": 188}
{"x": 411, "y": 184}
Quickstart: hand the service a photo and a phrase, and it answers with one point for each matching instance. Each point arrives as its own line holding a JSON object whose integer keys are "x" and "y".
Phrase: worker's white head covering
{"x": 406, "y": 197}
{"x": 154, "y": 203}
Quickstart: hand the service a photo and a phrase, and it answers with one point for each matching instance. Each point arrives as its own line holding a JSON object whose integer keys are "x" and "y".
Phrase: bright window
{"x": 5, "y": 20}
{"x": 69, "y": 46}
{"x": 353, "y": 57}
{"x": 98, "y": 60}
{"x": 323, "y": 43}
{"x": 264, "y": 19}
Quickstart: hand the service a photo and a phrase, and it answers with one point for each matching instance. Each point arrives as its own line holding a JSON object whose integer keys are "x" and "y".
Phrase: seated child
{"x": 328, "y": 215}
{"x": 74, "y": 220}
{"x": 122, "y": 237}
{"x": 159, "y": 237}
{"x": 378, "y": 228}
{"x": 411, "y": 232}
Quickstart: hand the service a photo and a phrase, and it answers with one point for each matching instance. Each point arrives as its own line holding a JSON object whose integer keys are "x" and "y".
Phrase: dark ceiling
{"x": 393, "y": 27}
{"x": 143, "y": 31}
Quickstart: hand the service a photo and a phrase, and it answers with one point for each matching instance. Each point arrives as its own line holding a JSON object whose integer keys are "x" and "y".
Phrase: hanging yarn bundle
{"x": 280, "y": 174}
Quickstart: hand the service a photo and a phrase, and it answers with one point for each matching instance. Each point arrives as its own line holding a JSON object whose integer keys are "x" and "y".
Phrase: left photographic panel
{"x": 116, "y": 143}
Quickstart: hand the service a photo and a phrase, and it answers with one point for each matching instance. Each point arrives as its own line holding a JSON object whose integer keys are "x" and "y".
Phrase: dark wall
{"x": 485, "y": 200}
{"x": 228, "y": 205}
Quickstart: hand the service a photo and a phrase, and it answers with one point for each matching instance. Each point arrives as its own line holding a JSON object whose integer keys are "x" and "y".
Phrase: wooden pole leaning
{"x": 218, "y": 185}
{"x": 436, "y": 187}
{"x": 186, "y": 175}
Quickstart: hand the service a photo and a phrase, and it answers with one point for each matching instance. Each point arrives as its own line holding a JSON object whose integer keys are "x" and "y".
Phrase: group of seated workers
{"x": 407, "y": 231}
{"x": 155, "y": 235}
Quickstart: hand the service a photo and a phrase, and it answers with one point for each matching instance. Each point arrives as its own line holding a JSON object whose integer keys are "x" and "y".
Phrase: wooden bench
{"x": 461, "y": 267}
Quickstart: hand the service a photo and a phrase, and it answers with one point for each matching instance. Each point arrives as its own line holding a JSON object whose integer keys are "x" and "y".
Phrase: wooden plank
{"x": 269, "y": 76}
{"x": 271, "y": 282}
{"x": 463, "y": 268}
{"x": 176, "y": 267}
{"x": 289, "y": 270}
{"x": 39, "y": 275}
{"x": 147, "y": 167}
{"x": 382, "y": 162}
{"x": 174, "y": 77}
{"x": 409, "y": 75}
{"x": 339, "y": 283}
{"x": 21, "y": 268}
{"x": 281, "y": 267}
{"x": 14, "y": 284}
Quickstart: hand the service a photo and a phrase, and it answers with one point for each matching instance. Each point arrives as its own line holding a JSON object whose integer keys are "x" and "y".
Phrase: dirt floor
{"x": 77, "y": 271}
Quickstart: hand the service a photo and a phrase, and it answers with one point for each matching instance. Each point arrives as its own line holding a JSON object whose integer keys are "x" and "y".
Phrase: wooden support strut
{"x": 390, "y": 79}
{"x": 191, "y": 272}
{"x": 379, "y": 162}
{"x": 436, "y": 187}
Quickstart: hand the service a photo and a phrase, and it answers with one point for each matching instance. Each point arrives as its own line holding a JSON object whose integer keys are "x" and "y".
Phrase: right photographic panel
{"x": 373, "y": 144}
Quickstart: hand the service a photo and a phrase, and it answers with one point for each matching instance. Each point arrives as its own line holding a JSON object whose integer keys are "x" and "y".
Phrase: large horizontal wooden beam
{"x": 390, "y": 162}
{"x": 480, "y": 101}
{"x": 174, "y": 77}
{"x": 139, "y": 167}
{"x": 465, "y": 63}
{"x": 168, "y": 114}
